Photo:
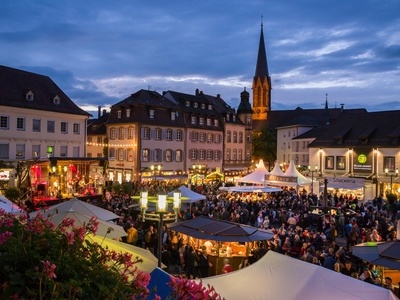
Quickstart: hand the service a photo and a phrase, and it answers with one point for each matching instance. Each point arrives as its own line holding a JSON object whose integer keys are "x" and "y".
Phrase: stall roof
{"x": 218, "y": 230}
{"x": 251, "y": 189}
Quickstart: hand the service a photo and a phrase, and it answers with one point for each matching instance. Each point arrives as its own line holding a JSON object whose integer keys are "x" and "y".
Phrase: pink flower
{"x": 48, "y": 269}
{"x": 4, "y": 237}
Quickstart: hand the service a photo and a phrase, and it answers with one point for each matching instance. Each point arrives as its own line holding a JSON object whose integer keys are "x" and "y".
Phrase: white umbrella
{"x": 79, "y": 206}
{"x": 8, "y": 206}
{"x": 105, "y": 229}
{"x": 149, "y": 263}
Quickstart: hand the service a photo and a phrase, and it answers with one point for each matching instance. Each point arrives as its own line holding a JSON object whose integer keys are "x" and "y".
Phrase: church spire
{"x": 261, "y": 83}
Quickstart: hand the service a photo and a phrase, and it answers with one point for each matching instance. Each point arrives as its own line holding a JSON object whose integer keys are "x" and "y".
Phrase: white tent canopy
{"x": 190, "y": 196}
{"x": 292, "y": 172}
{"x": 8, "y": 206}
{"x": 276, "y": 276}
{"x": 277, "y": 171}
{"x": 257, "y": 176}
{"x": 251, "y": 189}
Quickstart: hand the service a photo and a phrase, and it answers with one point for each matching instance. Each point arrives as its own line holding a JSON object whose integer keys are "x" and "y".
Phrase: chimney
{"x": 197, "y": 92}
{"x": 218, "y": 96}
{"x": 104, "y": 111}
{"x": 341, "y": 107}
{"x": 98, "y": 111}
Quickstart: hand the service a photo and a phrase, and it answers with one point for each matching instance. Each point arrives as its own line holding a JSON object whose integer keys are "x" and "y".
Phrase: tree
{"x": 264, "y": 147}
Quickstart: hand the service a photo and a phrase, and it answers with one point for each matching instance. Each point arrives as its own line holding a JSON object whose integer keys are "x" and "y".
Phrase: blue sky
{"x": 99, "y": 52}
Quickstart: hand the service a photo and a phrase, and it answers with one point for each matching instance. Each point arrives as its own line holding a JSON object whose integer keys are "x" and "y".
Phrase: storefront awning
{"x": 346, "y": 183}
{"x": 218, "y": 230}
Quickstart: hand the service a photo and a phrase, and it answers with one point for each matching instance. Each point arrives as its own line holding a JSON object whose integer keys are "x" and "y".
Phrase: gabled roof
{"x": 379, "y": 129}
{"x": 16, "y": 84}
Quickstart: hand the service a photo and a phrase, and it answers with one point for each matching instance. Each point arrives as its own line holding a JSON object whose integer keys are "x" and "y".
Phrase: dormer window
{"x": 195, "y": 105}
{"x": 151, "y": 114}
{"x": 209, "y": 107}
{"x": 56, "y": 100}
{"x": 29, "y": 96}
{"x": 173, "y": 115}
{"x": 119, "y": 114}
{"x": 203, "y": 106}
{"x": 227, "y": 117}
{"x": 128, "y": 112}
{"x": 233, "y": 118}
{"x": 187, "y": 103}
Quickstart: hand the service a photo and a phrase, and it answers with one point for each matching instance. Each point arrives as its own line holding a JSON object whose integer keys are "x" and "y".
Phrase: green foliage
{"x": 127, "y": 188}
{"x": 391, "y": 198}
{"x": 116, "y": 187}
{"x": 13, "y": 193}
{"x": 264, "y": 147}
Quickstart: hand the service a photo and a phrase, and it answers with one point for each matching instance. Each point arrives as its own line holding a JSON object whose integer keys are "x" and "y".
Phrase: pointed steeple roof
{"x": 262, "y": 65}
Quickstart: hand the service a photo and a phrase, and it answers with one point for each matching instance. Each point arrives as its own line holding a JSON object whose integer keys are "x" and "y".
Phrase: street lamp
{"x": 158, "y": 167}
{"x": 161, "y": 212}
{"x": 312, "y": 177}
{"x": 391, "y": 176}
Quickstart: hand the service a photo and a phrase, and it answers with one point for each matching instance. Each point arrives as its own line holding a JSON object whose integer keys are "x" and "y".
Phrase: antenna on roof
{"x": 261, "y": 21}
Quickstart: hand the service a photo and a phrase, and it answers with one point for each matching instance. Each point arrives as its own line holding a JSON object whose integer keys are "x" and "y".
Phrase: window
{"x": 179, "y": 135}
{"x": 121, "y": 154}
{"x": 195, "y": 135}
{"x": 234, "y": 118}
{"x": 35, "y": 151}
{"x": 89, "y": 154}
{"x": 217, "y": 155}
{"x": 193, "y": 154}
{"x": 64, "y": 127}
{"x": 248, "y": 138}
{"x": 131, "y": 133}
{"x": 216, "y": 123}
{"x": 89, "y": 139}
{"x": 168, "y": 155}
{"x": 217, "y": 138}
{"x": 158, "y": 133}
{"x": 389, "y": 163}
{"x": 75, "y": 151}
{"x": 56, "y": 100}
{"x": 178, "y": 155}
{"x": 145, "y": 154}
{"x": 340, "y": 163}
{"x": 21, "y": 124}
{"x": 202, "y": 137}
{"x": 329, "y": 162}
{"x": 209, "y": 107}
{"x": 240, "y": 155}
{"x": 209, "y": 154}
{"x": 203, "y": 106}
{"x": 63, "y": 151}
{"x": 195, "y": 105}
{"x": 146, "y": 133}
{"x": 228, "y": 154}
{"x": 201, "y": 121}
{"x": 29, "y": 96}
{"x": 51, "y": 126}
{"x": 121, "y": 133}
{"x": 113, "y": 133}
{"x": 4, "y": 122}
{"x": 208, "y": 121}
{"x": 235, "y": 137}
{"x": 4, "y": 151}
{"x": 248, "y": 121}
{"x": 128, "y": 112}
{"x": 187, "y": 103}
{"x": 202, "y": 154}
{"x": 248, "y": 155}
{"x": 111, "y": 154}
{"x": 151, "y": 114}
{"x": 234, "y": 154}
{"x": 228, "y": 137}
{"x": 173, "y": 116}
{"x": 76, "y": 128}
{"x": 99, "y": 140}
{"x": 168, "y": 134}
{"x": 210, "y": 137}
{"x": 240, "y": 137}
{"x": 129, "y": 154}
{"x": 193, "y": 120}
{"x": 157, "y": 155}
{"x": 20, "y": 154}
{"x": 119, "y": 114}
{"x": 36, "y": 125}
{"x": 227, "y": 117}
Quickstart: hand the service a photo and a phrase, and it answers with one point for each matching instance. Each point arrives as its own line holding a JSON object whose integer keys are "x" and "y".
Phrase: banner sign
{"x": 290, "y": 179}
{"x": 4, "y": 175}
{"x": 346, "y": 183}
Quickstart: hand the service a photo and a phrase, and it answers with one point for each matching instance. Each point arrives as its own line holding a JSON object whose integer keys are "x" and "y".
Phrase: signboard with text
{"x": 280, "y": 178}
{"x": 4, "y": 175}
{"x": 362, "y": 160}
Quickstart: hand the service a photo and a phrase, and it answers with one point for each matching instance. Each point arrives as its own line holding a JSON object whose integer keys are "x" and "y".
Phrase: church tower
{"x": 261, "y": 84}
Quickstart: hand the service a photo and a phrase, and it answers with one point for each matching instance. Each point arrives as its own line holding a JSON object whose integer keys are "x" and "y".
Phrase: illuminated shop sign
{"x": 362, "y": 160}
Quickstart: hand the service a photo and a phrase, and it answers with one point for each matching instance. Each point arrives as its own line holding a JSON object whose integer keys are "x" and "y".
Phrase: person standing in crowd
{"x": 204, "y": 264}
{"x": 226, "y": 268}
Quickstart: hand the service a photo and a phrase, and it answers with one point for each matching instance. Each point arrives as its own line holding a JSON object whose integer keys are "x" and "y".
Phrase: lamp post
{"x": 161, "y": 213}
{"x": 153, "y": 168}
{"x": 396, "y": 173}
{"x": 312, "y": 177}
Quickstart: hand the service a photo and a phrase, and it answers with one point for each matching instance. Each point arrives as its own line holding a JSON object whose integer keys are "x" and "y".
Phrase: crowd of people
{"x": 302, "y": 229}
